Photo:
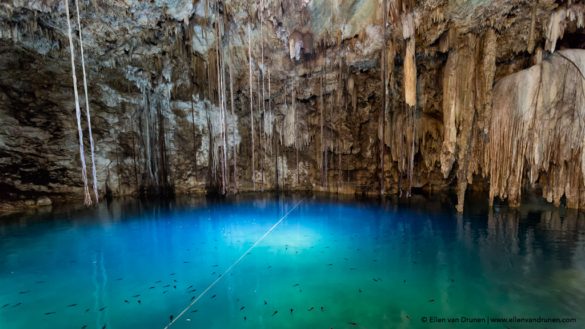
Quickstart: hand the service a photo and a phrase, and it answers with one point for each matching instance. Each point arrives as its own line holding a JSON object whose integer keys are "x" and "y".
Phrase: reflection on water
{"x": 332, "y": 264}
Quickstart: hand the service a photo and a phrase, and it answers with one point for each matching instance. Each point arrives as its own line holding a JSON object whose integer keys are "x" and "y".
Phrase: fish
{"x": 159, "y": 281}
{"x": 431, "y": 300}
{"x": 192, "y": 290}
{"x": 213, "y": 296}
{"x": 194, "y": 311}
{"x": 265, "y": 302}
{"x": 329, "y": 264}
{"x": 172, "y": 274}
{"x": 193, "y": 298}
{"x": 174, "y": 287}
{"x": 71, "y": 305}
{"x": 139, "y": 301}
{"x": 5, "y": 305}
{"x": 360, "y": 291}
{"x": 49, "y": 313}
{"x": 86, "y": 310}
{"x": 23, "y": 292}
{"x": 151, "y": 287}
{"x": 404, "y": 281}
{"x": 352, "y": 323}
{"x": 136, "y": 296}
{"x": 164, "y": 292}
{"x": 17, "y": 304}
{"x": 126, "y": 301}
{"x": 322, "y": 309}
{"x": 296, "y": 285}
{"x": 242, "y": 308}
{"x": 168, "y": 285}
{"x": 84, "y": 326}
{"x": 119, "y": 279}
{"x": 310, "y": 308}
{"x": 171, "y": 317}
{"x": 291, "y": 311}
{"x": 274, "y": 313}
{"x": 104, "y": 326}
{"x": 103, "y": 308}
{"x": 245, "y": 318}
{"x": 189, "y": 287}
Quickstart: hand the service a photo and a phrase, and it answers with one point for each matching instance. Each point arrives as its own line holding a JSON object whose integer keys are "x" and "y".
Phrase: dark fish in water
{"x": 168, "y": 285}
{"x": 164, "y": 292}
{"x": 245, "y": 318}
{"x": 171, "y": 317}
{"x": 192, "y": 290}
{"x": 322, "y": 309}
{"x": 213, "y": 296}
{"x": 375, "y": 280}
{"x": 265, "y": 302}
{"x": 352, "y": 323}
{"x": 329, "y": 264}
{"x": 104, "y": 326}
{"x": 175, "y": 281}
{"x": 310, "y": 308}
{"x": 274, "y": 313}
{"x": 360, "y": 291}
{"x": 242, "y": 308}
{"x": 159, "y": 281}
{"x": 24, "y": 292}
{"x": 49, "y": 313}
{"x": 71, "y": 305}
{"x": 5, "y": 305}
{"x": 194, "y": 311}
{"x": 174, "y": 287}
{"x": 17, "y": 304}
{"x": 84, "y": 326}
{"x": 431, "y": 300}
{"x": 185, "y": 262}
{"x": 126, "y": 301}
{"x": 103, "y": 308}
{"x": 136, "y": 296}
{"x": 139, "y": 301}
{"x": 404, "y": 281}
{"x": 86, "y": 310}
{"x": 119, "y": 279}
{"x": 151, "y": 287}
{"x": 291, "y": 311}
{"x": 189, "y": 287}
{"x": 172, "y": 274}
{"x": 296, "y": 285}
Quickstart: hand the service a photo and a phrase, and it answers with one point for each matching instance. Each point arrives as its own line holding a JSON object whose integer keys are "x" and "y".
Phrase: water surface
{"x": 329, "y": 264}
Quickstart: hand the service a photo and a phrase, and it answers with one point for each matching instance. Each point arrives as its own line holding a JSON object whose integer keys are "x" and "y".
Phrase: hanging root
{"x": 87, "y": 112}
{"x": 87, "y": 200}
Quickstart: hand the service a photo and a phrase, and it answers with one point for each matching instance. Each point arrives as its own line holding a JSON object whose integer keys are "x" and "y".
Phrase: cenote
{"x": 297, "y": 261}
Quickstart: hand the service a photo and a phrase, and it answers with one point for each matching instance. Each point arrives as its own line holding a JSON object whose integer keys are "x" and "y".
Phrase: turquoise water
{"x": 335, "y": 264}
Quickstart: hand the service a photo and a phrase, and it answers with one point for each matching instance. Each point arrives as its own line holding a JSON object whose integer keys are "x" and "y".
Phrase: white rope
{"x": 77, "y": 110}
{"x": 231, "y": 267}
{"x": 95, "y": 186}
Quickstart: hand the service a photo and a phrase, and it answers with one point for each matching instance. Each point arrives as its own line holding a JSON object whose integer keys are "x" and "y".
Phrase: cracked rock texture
{"x": 448, "y": 94}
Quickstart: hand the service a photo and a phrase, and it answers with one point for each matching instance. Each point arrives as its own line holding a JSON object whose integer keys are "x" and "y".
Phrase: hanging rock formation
{"x": 480, "y": 95}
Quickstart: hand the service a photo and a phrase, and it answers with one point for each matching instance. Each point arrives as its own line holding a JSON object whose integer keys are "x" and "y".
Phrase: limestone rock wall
{"x": 484, "y": 95}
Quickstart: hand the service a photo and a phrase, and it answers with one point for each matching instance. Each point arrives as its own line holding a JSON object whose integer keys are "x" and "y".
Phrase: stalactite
{"x": 410, "y": 73}
{"x": 87, "y": 111}
{"x": 87, "y": 200}
{"x": 251, "y": 107}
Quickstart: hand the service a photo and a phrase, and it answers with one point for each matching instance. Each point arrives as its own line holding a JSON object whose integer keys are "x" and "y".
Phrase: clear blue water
{"x": 336, "y": 264}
